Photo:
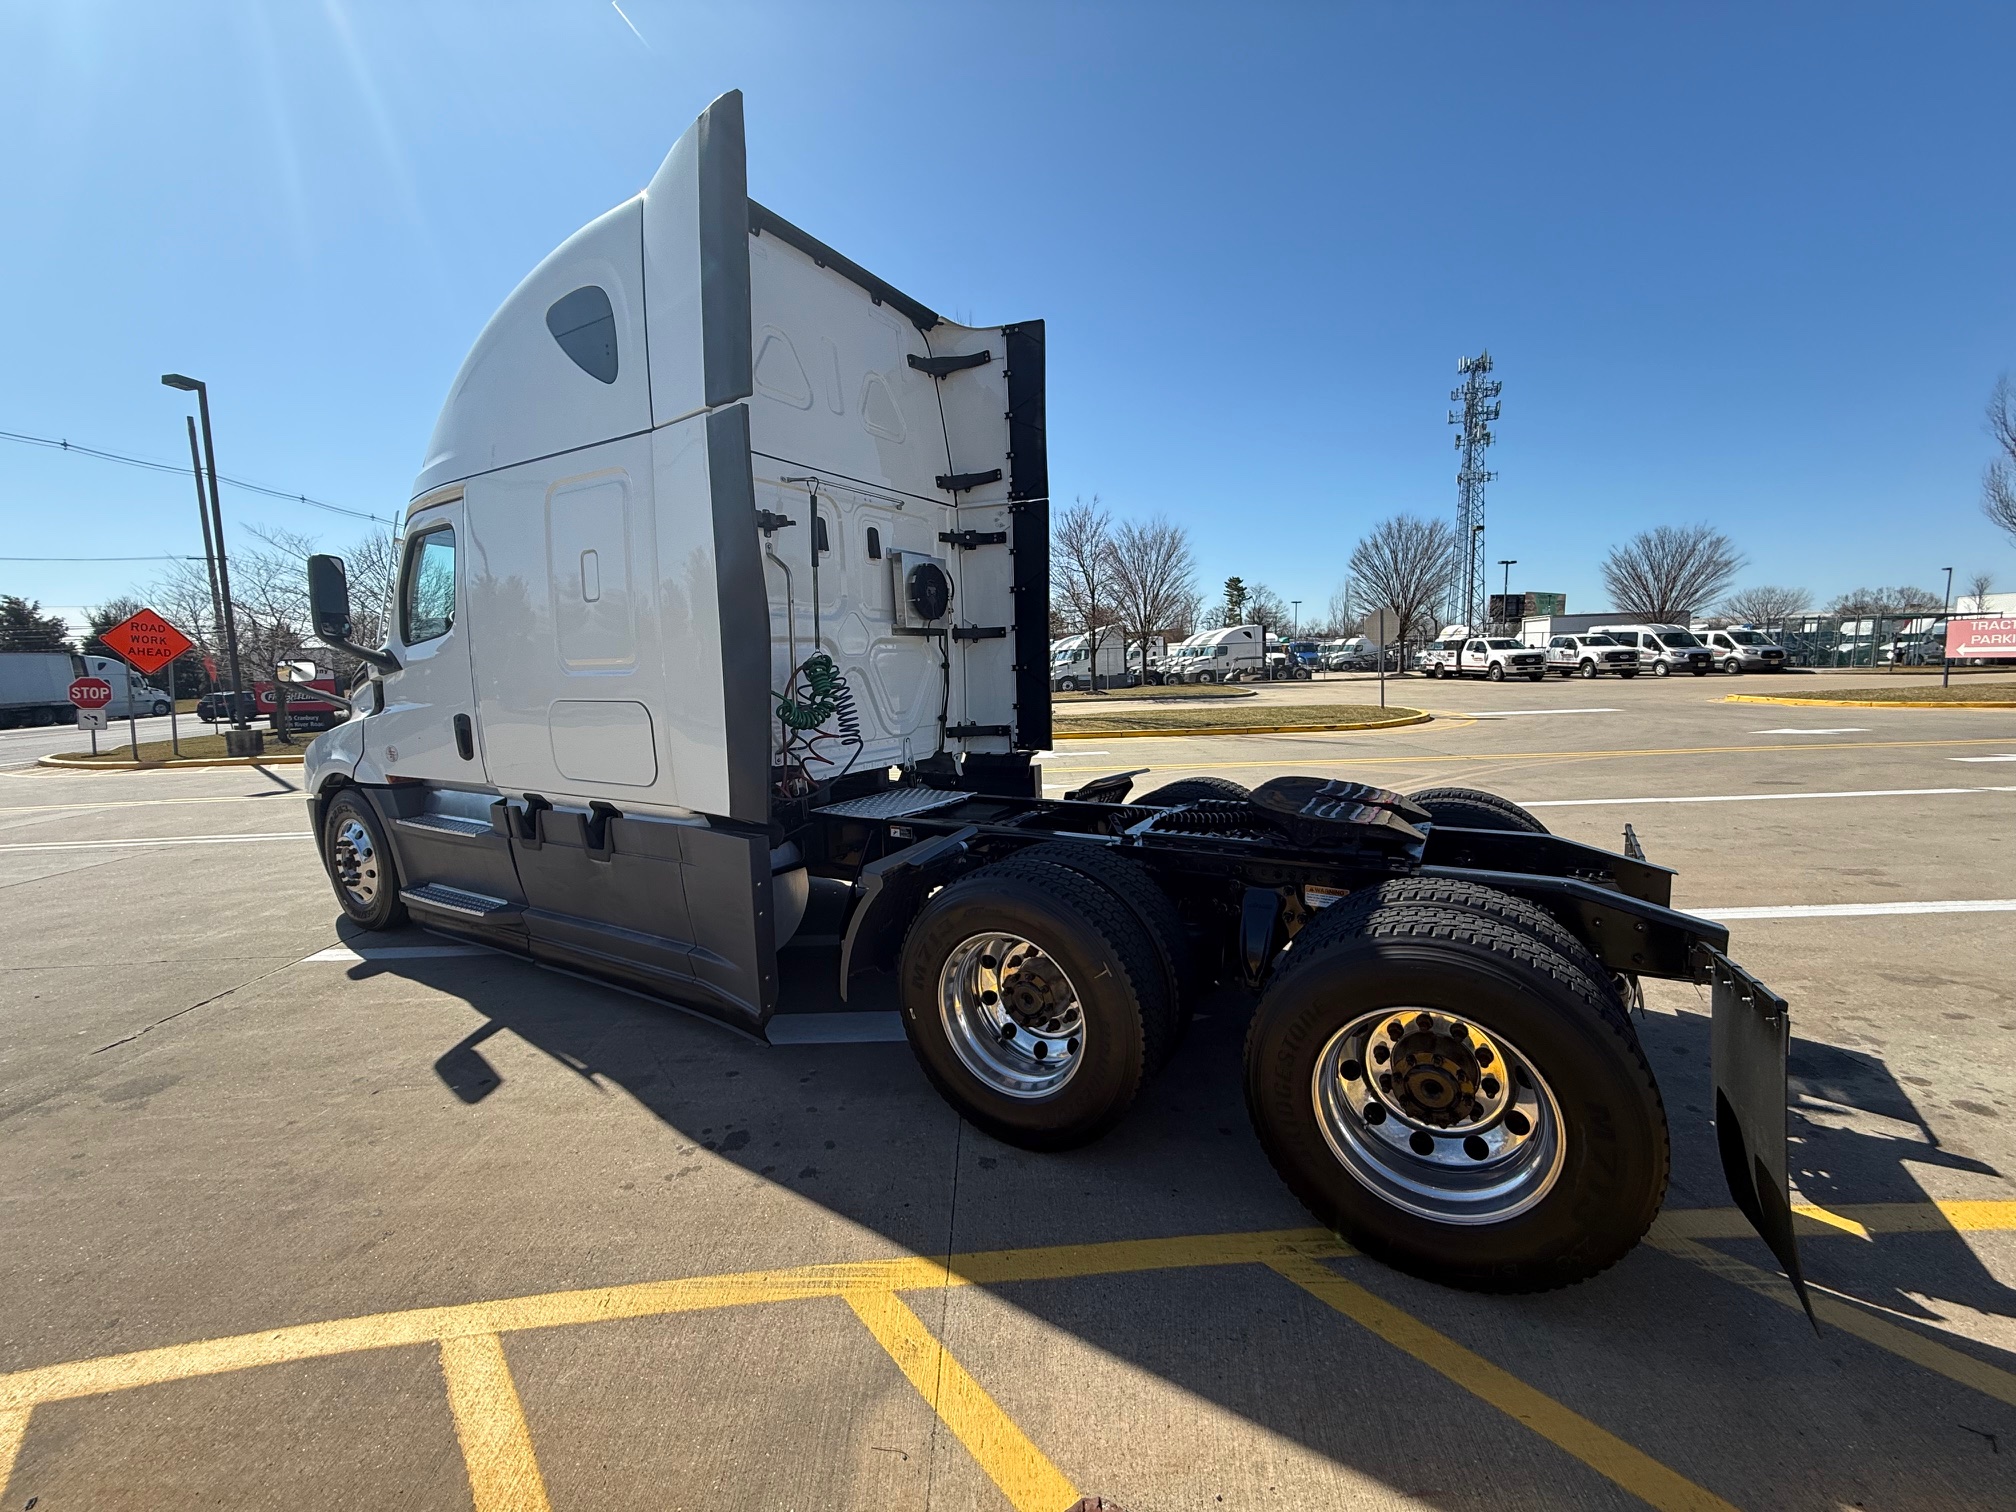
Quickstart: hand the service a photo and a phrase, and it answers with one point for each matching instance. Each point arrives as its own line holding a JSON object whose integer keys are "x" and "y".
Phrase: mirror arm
{"x": 384, "y": 661}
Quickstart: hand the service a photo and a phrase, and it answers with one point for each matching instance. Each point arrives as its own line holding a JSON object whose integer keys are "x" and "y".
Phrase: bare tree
{"x": 1998, "y": 483}
{"x": 1153, "y": 579}
{"x": 1406, "y": 564}
{"x": 1980, "y": 586}
{"x": 1343, "y": 616}
{"x": 1265, "y": 607}
{"x": 1663, "y": 575}
{"x": 1865, "y": 603}
{"x": 1767, "y": 604}
{"x": 1081, "y": 565}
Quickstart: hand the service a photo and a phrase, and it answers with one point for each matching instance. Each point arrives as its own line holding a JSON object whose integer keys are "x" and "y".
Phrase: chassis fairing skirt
{"x": 1751, "y": 1040}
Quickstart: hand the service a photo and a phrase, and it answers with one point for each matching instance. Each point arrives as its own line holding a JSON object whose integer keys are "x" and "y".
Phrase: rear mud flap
{"x": 1751, "y": 1039}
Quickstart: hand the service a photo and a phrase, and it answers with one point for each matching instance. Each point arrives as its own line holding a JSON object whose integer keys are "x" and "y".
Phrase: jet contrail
{"x": 629, "y": 23}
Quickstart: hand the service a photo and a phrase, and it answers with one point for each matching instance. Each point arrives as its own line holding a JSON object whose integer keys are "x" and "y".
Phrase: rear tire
{"x": 1193, "y": 790}
{"x": 1133, "y": 884}
{"x": 1066, "y": 963}
{"x": 1544, "y": 1177}
{"x": 160, "y": 708}
{"x": 360, "y": 863}
{"x": 1471, "y": 808}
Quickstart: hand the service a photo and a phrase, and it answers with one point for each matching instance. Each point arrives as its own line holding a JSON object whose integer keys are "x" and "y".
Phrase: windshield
{"x": 1748, "y": 638}
{"x": 1506, "y": 645}
{"x": 1678, "y": 640}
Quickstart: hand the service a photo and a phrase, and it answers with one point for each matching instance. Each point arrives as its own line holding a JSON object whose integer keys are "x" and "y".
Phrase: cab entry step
{"x": 457, "y": 900}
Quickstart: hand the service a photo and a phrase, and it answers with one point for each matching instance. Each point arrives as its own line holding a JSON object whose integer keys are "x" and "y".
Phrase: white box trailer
{"x": 727, "y": 568}
{"x": 35, "y": 687}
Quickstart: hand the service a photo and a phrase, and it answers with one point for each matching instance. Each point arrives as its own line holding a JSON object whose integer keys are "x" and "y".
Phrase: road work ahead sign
{"x": 146, "y": 640}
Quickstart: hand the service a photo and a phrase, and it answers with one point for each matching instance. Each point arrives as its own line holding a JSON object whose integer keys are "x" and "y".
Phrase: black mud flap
{"x": 1751, "y": 1038}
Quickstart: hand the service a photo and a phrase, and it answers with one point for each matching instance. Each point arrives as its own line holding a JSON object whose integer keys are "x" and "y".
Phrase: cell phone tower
{"x": 1479, "y": 398}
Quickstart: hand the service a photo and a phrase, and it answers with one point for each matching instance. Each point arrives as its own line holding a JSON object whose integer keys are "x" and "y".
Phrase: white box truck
{"x": 727, "y": 568}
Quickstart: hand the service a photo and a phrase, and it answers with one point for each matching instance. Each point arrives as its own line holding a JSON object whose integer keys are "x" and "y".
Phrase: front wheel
{"x": 1494, "y": 673}
{"x": 1734, "y": 667}
{"x": 1035, "y": 1002}
{"x": 1661, "y": 669}
{"x": 1455, "y": 1097}
{"x": 1589, "y": 669}
{"x": 360, "y": 864}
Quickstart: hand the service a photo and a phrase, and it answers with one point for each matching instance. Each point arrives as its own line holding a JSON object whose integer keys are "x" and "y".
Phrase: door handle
{"x": 465, "y": 738}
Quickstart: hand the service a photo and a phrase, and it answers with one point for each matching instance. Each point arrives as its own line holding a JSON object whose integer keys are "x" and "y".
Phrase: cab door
{"x": 427, "y": 730}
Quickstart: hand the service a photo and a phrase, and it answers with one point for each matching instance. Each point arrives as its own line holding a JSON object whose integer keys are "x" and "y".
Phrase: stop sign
{"x": 90, "y": 692}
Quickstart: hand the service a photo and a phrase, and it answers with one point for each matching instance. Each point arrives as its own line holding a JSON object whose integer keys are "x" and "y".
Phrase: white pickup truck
{"x": 1494, "y": 658}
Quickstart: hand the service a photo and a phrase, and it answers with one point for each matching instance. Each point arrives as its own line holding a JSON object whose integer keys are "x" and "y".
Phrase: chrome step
{"x": 446, "y": 824}
{"x": 457, "y": 900}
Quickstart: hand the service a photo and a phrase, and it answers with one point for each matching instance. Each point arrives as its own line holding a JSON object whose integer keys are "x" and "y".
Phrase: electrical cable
{"x": 57, "y": 444}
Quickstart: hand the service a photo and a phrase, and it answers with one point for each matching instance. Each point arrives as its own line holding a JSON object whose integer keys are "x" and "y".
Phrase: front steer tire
{"x": 359, "y": 861}
{"x": 1094, "y": 958}
{"x": 1597, "y": 1135}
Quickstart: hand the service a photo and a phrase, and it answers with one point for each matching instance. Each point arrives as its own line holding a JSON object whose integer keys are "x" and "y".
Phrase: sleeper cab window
{"x": 427, "y": 595}
{"x": 585, "y": 326}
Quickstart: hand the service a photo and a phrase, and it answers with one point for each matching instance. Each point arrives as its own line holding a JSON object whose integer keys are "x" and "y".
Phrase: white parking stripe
{"x": 142, "y": 843}
{"x": 1532, "y": 803}
{"x": 1981, "y": 758}
{"x": 1844, "y": 730}
{"x": 344, "y": 955}
{"x": 1858, "y": 910}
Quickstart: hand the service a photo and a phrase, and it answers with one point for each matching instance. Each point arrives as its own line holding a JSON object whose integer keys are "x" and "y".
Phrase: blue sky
{"x": 1749, "y": 264}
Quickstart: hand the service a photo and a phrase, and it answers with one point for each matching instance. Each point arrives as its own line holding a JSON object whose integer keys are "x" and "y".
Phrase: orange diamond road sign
{"x": 146, "y": 640}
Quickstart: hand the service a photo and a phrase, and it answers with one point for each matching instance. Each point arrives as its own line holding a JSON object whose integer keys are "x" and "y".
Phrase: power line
{"x": 58, "y": 444}
{"x": 103, "y": 559}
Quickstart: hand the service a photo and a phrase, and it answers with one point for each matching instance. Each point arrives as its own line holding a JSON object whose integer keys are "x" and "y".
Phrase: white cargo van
{"x": 1662, "y": 649}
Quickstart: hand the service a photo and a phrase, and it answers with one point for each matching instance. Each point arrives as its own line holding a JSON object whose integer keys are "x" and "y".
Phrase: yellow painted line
{"x": 1844, "y": 1314}
{"x": 13, "y": 1427}
{"x": 1863, "y": 703}
{"x": 1295, "y": 729}
{"x": 1022, "y": 1471}
{"x": 1602, "y": 1451}
{"x": 1863, "y": 1218}
{"x": 645, "y": 1299}
{"x": 1460, "y": 757}
{"x": 490, "y": 1422}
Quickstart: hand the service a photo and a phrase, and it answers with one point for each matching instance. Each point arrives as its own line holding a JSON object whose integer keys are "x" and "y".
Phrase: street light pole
{"x": 196, "y": 386}
{"x": 1505, "y": 592}
{"x": 203, "y": 519}
{"x": 1945, "y": 661}
{"x": 1295, "y": 624}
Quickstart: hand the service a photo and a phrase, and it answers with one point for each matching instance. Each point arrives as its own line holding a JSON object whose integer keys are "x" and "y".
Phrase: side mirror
{"x": 329, "y": 610}
{"x": 294, "y": 672}
{"x": 329, "y": 598}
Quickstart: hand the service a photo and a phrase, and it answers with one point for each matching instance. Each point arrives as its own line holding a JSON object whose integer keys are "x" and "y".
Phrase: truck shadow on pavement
{"x": 1678, "y": 1362}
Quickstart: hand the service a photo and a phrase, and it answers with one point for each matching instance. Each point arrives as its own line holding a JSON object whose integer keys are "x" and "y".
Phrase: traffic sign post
{"x": 148, "y": 643}
{"x": 91, "y": 695}
{"x": 1382, "y": 625}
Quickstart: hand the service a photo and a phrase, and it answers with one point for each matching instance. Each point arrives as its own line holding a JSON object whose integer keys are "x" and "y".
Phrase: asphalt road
{"x": 21, "y": 748}
{"x": 299, "y": 1219}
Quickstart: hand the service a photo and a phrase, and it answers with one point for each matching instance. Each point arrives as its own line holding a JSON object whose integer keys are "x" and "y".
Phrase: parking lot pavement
{"x": 298, "y": 1220}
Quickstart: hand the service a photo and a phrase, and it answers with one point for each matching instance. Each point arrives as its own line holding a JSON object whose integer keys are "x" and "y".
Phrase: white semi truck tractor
{"x": 727, "y": 570}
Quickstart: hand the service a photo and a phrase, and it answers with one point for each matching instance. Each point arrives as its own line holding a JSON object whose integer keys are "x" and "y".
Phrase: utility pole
{"x": 1505, "y": 593}
{"x": 1479, "y": 398}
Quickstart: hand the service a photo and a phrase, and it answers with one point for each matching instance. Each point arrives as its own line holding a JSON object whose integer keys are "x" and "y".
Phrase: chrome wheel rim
{"x": 1011, "y": 1015}
{"x": 1438, "y": 1117}
{"x": 356, "y": 862}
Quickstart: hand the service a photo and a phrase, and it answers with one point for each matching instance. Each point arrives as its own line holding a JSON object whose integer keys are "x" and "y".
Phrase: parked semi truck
{"x": 726, "y": 576}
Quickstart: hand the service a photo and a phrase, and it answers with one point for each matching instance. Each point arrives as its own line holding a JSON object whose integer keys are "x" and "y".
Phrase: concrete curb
{"x": 1297, "y": 729}
{"x": 70, "y": 763}
{"x": 1861, "y": 703}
